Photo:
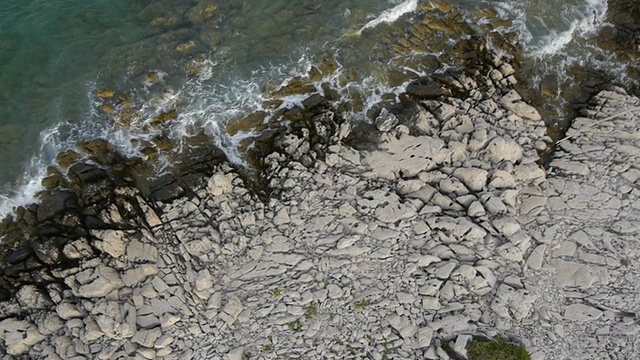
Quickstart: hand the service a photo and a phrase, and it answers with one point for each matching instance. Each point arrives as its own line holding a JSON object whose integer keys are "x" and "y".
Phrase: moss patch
{"x": 498, "y": 348}
{"x": 311, "y": 311}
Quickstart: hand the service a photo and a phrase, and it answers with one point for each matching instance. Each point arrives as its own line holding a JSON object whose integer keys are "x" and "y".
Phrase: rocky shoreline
{"x": 404, "y": 238}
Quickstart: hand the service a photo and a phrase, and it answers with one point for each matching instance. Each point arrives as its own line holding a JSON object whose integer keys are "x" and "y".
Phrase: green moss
{"x": 269, "y": 346}
{"x": 624, "y": 262}
{"x": 295, "y": 325}
{"x": 311, "y": 311}
{"x": 276, "y": 292}
{"x": 359, "y": 305}
{"x": 499, "y": 348}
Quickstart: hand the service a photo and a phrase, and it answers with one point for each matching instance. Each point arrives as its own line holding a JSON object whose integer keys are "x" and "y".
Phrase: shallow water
{"x": 48, "y": 54}
{"x": 56, "y": 54}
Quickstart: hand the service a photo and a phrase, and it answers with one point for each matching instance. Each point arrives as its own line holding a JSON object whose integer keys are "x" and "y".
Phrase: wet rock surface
{"x": 400, "y": 243}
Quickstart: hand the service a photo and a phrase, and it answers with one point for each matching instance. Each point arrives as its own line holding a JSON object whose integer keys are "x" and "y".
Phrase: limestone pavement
{"x": 442, "y": 228}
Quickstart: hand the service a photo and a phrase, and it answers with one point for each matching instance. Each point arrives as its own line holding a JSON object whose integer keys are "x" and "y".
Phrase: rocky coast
{"x": 408, "y": 237}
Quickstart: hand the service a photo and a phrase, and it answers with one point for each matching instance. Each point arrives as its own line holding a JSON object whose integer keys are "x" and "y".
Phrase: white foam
{"x": 26, "y": 195}
{"x": 36, "y": 171}
{"x": 391, "y": 15}
{"x": 583, "y": 21}
{"x": 548, "y": 27}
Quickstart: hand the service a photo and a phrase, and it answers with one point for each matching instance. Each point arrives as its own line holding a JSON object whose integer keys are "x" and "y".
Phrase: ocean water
{"x": 216, "y": 61}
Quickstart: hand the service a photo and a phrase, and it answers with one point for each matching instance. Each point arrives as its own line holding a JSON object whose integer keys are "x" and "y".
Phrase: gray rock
{"x": 536, "y": 257}
{"x": 163, "y": 341}
{"x": 395, "y": 211}
{"x": 147, "y": 338}
{"x": 67, "y": 310}
{"x": 167, "y": 320}
{"x": 504, "y": 149}
{"x": 425, "y": 122}
{"x": 476, "y": 209}
{"x": 424, "y": 194}
{"x": 78, "y": 249}
{"x": 532, "y": 205}
{"x": 335, "y": 292}
{"x": 145, "y": 353}
{"x": 444, "y": 112}
{"x": 511, "y": 302}
{"x": 443, "y": 271}
{"x": 506, "y": 69}
{"x": 138, "y": 251}
{"x": 50, "y": 324}
{"x": 281, "y": 217}
{"x": 220, "y": 184}
{"x": 423, "y": 337}
{"x": 460, "y": 346}
{"x": 19, "y": 336}
{"x": 385, "y": 121}
{"x": 573, "y": 274}
{"x": 431, "y": 287}
{"x": 473, "y": 178}
{"x": 513, "y": 102}
{"x": 404, "y": 298}
{"x": 501, "y": 179}
{"x": 570, "y": 167}
{"x": 116, "y": 321}
{"x": 110, "y": 241}
{"x": 406, "y": 155}
{"x": 565, "y": 248}
{"x": 235, "y": 354}
{"x": 30, "y": 297}
{"x": 150, "y": 215}
{"x": 231, "y": 310}
{"x": 581, "y": 313}
{"x": 103, "y": 281}
{"x": 431, "y": 303}
{"x": 138, "y": 274}
{"x": 510, "y": 252}
{"x": 493, "y": 204}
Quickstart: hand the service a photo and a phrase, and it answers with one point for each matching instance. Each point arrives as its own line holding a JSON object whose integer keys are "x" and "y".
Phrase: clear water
{"x": 49, "y": 52}
{"x": 55, "y": 54}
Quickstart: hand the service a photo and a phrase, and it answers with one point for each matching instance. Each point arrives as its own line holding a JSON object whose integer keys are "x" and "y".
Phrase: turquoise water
{"x": 55, "y": 54}
{"x": 49, "y": 52}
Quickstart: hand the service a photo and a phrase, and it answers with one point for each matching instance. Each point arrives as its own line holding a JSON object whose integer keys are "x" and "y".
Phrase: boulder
{"x": 110, "y": 241}
{"x": 472, "y": 178}
{"x": 102, "y": 282}
{"x": 19, "y": 336}
{"x": 385, "y": 121}
{"x": 220, "y": 184}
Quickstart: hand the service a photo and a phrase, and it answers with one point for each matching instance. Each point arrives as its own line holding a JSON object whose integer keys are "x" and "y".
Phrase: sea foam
{"x": 391, "y": 15}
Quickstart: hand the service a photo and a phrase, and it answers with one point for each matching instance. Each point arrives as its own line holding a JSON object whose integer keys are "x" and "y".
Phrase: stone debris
{"x": 446, "y": 228}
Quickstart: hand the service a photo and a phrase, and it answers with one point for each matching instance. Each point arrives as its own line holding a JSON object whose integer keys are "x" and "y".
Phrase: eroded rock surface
{"x": 445, "y": 227}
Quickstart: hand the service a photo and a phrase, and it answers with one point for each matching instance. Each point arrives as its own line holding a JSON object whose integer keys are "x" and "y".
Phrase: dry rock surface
{"x": 443, "y": 228}
{"x": 584, "y": 222}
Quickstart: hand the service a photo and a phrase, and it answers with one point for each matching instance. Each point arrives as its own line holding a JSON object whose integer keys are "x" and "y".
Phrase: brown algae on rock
{"x": 105, "y": 93}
